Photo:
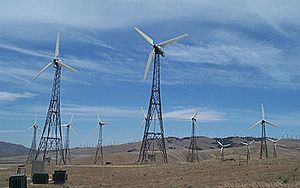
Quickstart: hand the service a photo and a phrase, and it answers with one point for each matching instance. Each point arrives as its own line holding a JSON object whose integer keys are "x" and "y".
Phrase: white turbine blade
{"x": 56, "y": 52}
{"x": 35, "y": 120}
{"x": 195, "y": 115}
{"x": 97, "y": 126}
{"x": 64, "y": 125}
{"x": 249, "y": 149}
{"x": 62, "y": 64}
{"x": 227, "y": 145}
{"x": 271, "y": 140}
{"x": 142, "y": 123}
{"x": 43, "y": 70}
{"x": 30, "y": 127}
{"x": 278, "y": 140}
{"x": 143, "y": 112}
{"x": 244, "y": 143}
{"x": 162, "y": 44}
{"x": 74, "y": 132}
{"x": 71, "y": 119}
{"x": 262, "y": 111}
{"x": 196, "y": 124}
{"x": 146, "y": 37}
{"x": 148, "y": 64}
{"x": 251, "y": 142}
{"x": 105, "y": 123}
{"x": 270, "y": 123}
{"x": 220, "y": 143}
{"x": 255, "y": 124}
{"x": 98, "y": 118}
{"x": 221, "y": 151}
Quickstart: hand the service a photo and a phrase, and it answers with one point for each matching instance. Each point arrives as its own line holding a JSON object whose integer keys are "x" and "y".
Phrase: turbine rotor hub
{"x": 159, "y": 50}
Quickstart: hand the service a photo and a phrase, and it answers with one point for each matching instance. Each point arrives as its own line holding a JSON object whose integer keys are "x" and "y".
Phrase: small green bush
{"x": 284, "y": 179}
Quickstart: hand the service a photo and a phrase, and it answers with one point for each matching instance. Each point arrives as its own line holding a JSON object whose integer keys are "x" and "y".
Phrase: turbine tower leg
{"x": 248, "y": 152}
{"x": 154, "y": 115}
{"x": 263, "y": 144}
{"x": 99, "y": 151}
{"x": 67, "y": 146}
{"x": 51, "y": 145}
{"x": 32, "y": 151}
{"x": 274, "y": 151}
{"x": 193, "y": 150}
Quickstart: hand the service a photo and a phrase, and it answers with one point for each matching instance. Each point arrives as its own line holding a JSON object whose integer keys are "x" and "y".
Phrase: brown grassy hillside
{"x": 209, "y": 172}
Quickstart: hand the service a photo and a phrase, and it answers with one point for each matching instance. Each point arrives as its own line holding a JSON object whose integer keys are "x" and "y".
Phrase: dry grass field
{"x": 209, "y": 172}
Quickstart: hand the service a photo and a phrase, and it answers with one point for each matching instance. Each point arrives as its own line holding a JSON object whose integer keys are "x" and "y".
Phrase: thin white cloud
{"x": 113, "y": 14}
{"x": 18, "y": 49}
{"x": 116, "y": 69}
{"x": 224, "y": 60}
{"x": 88, "y": 111}
{"x": 205, "y": 115}
{"x": 242, "y": 62}
{"x": 8, "y": 96}
{"x": 86, "y": 38}
{"x": 108, "y": 111}
{"x": 286, "y": 119}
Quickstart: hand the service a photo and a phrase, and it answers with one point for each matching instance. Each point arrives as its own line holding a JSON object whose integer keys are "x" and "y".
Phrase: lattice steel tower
{"x": 32, "y": 151}
{"x": 51, "y": 146}
{"x": 154, "y": 137}
{"x": 67, "y": 140}
{"x": 99, "y": 150}
{"x": 193, "y": 149}
{"x": 263, "y": 139}
{"x": 274, "y": 147}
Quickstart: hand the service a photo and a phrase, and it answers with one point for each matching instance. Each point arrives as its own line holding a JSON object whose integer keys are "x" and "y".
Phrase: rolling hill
{"x": 10, "y": 149}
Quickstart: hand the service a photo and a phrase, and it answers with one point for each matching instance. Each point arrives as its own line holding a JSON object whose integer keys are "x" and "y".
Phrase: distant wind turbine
{"x": 222, "y": 149}
{"x": 248, "y": 147}
{"x": 263, "y": 122}
{"x": 274, "y": 146}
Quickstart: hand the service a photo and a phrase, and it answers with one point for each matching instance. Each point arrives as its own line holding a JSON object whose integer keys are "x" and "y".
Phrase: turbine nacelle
{"x": 263, "y": 121}
{"x": 274, "y": 141}
{"x": 157, "y": 48}
{"x": 100, "y": 123}
{"x": 56, "y": 62}
{"x": 34, "y": 126}
{"x": 246, "y": 143}
{"x": 194, "y": 117}
{"x": 69, "y": 125}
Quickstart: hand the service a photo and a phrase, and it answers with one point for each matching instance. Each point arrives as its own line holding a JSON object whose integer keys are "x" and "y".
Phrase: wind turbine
{"x": 67, "y": 139}
{"x": 263, "y": 143}
{"x": 274, "y": 147}
{"x": 56, "y": 62}
{"x": 99, "y": 151}
{"x": 248, "y": 147}
{"x": 32, "y": 151}
{"x": 154, "y": 113}
{"x": 145, "y": 117}
{"x": 222, "y": 149}
{"x": 193, "y": 149}
{"x": 51, "y": 141}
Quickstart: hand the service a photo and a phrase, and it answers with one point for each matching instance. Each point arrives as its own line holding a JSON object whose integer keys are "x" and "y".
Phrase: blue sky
{"x": 238, "y": 54}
